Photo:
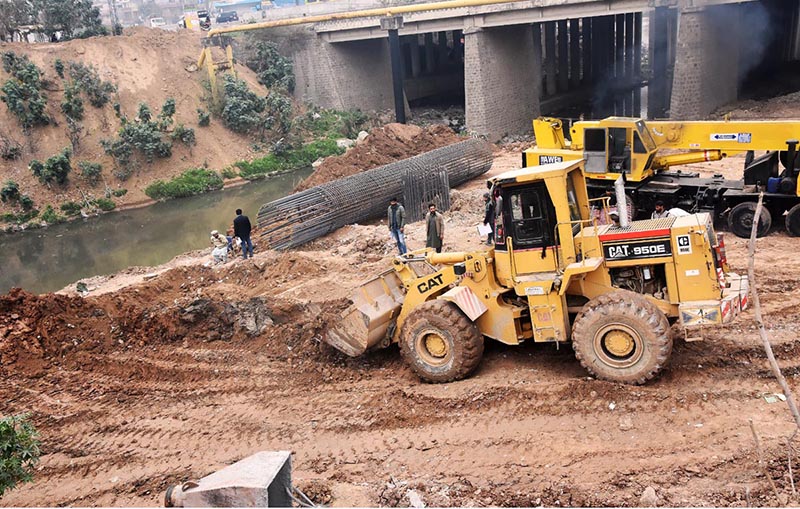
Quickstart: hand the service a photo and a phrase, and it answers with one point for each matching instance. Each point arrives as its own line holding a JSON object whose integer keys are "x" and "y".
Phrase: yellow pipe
{"x": 366, "y": 13}
{"x": 700, "y": 156}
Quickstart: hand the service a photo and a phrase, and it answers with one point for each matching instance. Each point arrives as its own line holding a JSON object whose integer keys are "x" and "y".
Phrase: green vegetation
{"x": 19, "y": 451}
{"x": 105, "y": 204}
{"x": 22, "y": 93}
{"x": 9, "y": 192}
{"x": 58, "y": 65}
{"x": 50, "y": 216}
{"x": 26, "y": 202}
{"x": 90, "y": 171}
{"x": 279, "y": 112}
{"x": 185, "y": 135}
{"x": 19, "y": 217}
{"x": 189, "y": 183}
{"x": 273, "y": 69}
{"x": 321, "y": 122}
{"x": 203, "y": 117}
{"x": 71, "y": 208}
{"x": 229, "y": 173}
{"x": 288, "y": 160}
{"x": 119, "y": 192}
{"x": 86, "y": 78}
{"x": 241, "y": 109}
{"x": 55, "y": 169}
{"x": 142, "y": 136}
{"x": 72, "y": 104}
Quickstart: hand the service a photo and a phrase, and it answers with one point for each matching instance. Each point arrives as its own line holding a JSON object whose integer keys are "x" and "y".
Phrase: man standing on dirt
{"x": 488, "y": 217}
{"x": 241, "y": 229}
{"x": 397, "y": 223}
{"x": 435, "y": 229}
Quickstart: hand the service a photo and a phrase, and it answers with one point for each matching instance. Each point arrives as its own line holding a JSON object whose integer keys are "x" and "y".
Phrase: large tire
{"x": 793, "y": 221}
{"x": 622, "y": 337}
{"x": 439, "y": 343}
{"x": 740, "y": 220}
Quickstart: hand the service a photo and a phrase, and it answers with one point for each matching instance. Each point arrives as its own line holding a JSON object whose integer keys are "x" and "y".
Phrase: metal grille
{"x": 299, "y": 218}
{"x": 645, "y": 224}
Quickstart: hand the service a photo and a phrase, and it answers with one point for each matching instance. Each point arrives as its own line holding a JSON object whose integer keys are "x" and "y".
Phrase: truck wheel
{"x": 740, "y": 220}
{"x": 440, "y": 343}
{"x": 622, "y": 337}
{"x": 793, "y": 221}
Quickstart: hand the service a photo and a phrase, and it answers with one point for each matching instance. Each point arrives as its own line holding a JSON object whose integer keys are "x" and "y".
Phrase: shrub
{"x": 59, "y": 67}
{"x": 50, "y": 216}
{"x": 189, "y": 183}
{"x": 242, "y": 109}
{"x": 203, "y": 117}
{"x": 26, "y": 202}
{"x": 273, "y": 69}
{"x": 279, "y": 112}
{"x": 22, "y": 93}
{"x": 184, "y": 135}
{"x": 72, "y": 104}
{"x": 90, "y": 171}
{"x": 105, "y": 204}
{"x": 144, "y": 114}
{"x": 229, "y": 173}
{"x": 119, "y": 192}
{"x": 333, "y": 123}
{"x": 19, "y": 451}
{"x": 167, "y": 112}
{"x": 88, "y": 79}
{"x": 143, "y": 137}
{"x": 56, "y": 168}
{"x": 10, "y": 191}
{"x": 71, "y": 208}
{"x": 289, "y": 160}
{"x": 19, "y": 218}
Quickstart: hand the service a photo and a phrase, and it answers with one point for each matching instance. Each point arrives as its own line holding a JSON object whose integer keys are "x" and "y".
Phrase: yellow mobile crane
{"x": 553, "y": 276}
{"x": 643, "y": 152}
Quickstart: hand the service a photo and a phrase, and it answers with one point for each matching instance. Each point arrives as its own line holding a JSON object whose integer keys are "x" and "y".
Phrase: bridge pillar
{"x": 501, "y": 80}
{"x": 706, "y": 60}
{"x": 574, "y": 54}
{"x": 563, "y": 56}
{"x": 550, "y": 62}
{"x": 345, "y": 75}
{"x": 430, "y": 54}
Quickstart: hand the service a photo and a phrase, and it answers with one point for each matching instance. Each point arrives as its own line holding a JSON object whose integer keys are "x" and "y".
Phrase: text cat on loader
{"x": 553, "y": 276}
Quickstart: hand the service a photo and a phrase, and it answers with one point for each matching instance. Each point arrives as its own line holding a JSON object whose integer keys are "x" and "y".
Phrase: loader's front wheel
{"x": 440, "y": 343}
{"x": 622, "y": 337}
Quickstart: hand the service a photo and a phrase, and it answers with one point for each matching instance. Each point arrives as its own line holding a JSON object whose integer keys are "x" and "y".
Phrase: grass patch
{"x": 288, "y": 160}
{"x": 189, "y": 183}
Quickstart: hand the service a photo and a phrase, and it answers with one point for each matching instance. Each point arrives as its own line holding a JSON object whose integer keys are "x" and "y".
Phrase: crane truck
{"x": 644, "y": 152}
{"x": 554, "y": 276}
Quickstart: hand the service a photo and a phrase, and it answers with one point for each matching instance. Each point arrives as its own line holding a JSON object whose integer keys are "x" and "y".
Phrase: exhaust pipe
{"x": 622, "y": 203}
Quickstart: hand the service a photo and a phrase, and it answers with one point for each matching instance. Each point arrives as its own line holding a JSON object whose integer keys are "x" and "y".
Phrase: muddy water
{"x": 51, "y": 258}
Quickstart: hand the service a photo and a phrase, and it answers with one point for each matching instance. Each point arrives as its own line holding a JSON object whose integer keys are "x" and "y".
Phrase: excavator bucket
{"x": 371, "y": 318}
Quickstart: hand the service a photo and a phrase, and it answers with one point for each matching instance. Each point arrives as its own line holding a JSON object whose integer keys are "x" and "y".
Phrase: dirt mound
{"x": 384, "y": 145}
{"x": 146, "y": 65}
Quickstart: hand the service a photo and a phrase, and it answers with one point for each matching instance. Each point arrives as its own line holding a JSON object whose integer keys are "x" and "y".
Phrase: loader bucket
{"x": 371, "y": 318}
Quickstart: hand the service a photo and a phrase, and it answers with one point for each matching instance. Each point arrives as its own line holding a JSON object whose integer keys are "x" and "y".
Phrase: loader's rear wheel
{"x": 793, "y": 221}
{"x": 622, "y": 337}
{"x": 440, "y": 343}
{"x": 740, "y": 220}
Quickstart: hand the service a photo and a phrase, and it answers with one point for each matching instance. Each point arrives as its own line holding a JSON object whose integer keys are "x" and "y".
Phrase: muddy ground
{"x": 166, "y": 374}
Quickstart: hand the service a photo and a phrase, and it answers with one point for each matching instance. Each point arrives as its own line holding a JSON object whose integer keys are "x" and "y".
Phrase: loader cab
{"x": 538, "y": 212}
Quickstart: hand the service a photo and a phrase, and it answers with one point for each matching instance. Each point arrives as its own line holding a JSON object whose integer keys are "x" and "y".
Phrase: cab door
{"x": 595, "y": 149}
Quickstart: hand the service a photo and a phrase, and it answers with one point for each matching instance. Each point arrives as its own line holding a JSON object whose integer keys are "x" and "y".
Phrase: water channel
{"x": 50, "y": 258}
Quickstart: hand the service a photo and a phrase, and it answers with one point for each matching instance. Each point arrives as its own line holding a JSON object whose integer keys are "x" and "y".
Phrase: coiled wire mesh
{"x": 299, "y": 218}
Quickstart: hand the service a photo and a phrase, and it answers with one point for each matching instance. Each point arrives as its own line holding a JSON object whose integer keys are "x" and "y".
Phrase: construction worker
{"x": 242, "y": 228}
{"x": 220, "y": 244}
{"x": 434, "y": 229}
{"x": 660, "y": 212}
{"x": 488, "y": 217}
{"x": 396, "y": 218}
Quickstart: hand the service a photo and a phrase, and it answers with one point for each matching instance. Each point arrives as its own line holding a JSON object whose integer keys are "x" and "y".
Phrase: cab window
{"x": 529, "y": 213}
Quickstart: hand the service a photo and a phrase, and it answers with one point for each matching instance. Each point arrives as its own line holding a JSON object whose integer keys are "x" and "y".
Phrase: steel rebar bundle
{"x": 299, "y": 218}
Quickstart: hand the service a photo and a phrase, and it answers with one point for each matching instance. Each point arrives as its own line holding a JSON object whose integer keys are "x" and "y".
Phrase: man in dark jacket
{"x": 434, "y": 235}
{"x": 488, "y": 216}
{"x": 396, "y": 216}
{"x": 241, "y": 229}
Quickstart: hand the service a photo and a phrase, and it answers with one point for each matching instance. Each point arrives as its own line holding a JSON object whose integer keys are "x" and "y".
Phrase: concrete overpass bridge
{"x": 508, "y": 63}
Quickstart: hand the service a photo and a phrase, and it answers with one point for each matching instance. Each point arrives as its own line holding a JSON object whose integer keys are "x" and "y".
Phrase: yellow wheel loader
{"x": 555, "y": 275}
